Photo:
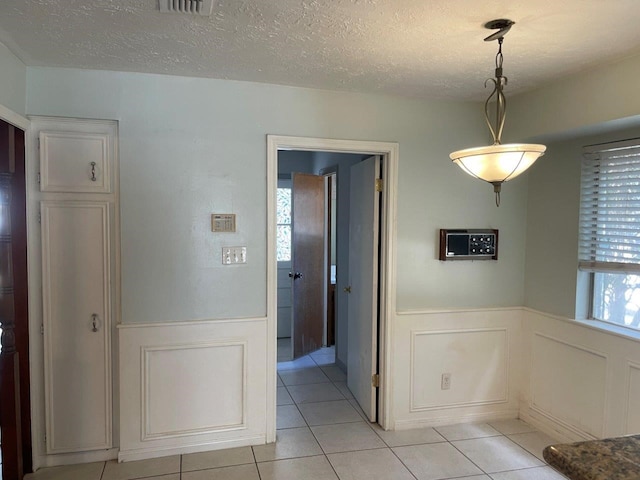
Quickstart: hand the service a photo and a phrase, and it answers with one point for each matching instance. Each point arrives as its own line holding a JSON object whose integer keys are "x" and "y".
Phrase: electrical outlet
{"x": 445, "y": 383}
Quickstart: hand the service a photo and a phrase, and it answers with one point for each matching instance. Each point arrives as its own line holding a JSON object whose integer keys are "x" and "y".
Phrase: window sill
{"x": 597, "y": 325}
{"x": 611, "y": 328}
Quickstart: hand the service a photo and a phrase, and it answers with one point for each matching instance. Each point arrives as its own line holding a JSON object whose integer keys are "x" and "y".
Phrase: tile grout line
{"x": 465, "y": 456}
{"x": 396, "y": 455}
{"x": 526, "y": 450}
{"x": 314, "y": 435}
{"x": 255, "y": 460}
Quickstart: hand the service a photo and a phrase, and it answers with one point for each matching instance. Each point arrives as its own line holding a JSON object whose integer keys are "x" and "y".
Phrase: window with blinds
{"x": 609, "y": 234}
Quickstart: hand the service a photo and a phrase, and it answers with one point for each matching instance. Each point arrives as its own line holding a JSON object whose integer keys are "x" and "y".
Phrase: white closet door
{"x": 76, "y": 299}
{"x": 75, "y": 162}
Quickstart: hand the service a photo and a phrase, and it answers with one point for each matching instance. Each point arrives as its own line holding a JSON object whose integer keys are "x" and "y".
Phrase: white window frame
{"x": 593, "y": 251}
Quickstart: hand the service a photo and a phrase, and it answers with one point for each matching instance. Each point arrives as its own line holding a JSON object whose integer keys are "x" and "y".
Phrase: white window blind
{"x": 610, "y": 208}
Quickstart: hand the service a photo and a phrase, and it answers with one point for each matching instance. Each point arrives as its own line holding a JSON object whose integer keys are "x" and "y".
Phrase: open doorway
{"x": 312, "y": 252}
{"x": 333, "y": 160}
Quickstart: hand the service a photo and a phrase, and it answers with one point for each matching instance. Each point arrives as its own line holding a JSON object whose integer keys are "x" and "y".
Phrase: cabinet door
{"x": 77, "y": 310}
{"x": 75, "y": 162}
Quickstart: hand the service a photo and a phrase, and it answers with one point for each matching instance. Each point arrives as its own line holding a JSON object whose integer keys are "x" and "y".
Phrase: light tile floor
{"x": 323, "y": 435}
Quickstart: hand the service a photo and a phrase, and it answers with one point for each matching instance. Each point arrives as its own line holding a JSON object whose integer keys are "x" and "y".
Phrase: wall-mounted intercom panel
{"x": 468, "y": 244}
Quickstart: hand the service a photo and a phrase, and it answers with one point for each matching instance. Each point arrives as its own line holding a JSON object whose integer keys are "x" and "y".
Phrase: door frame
{"x": 389, "y": 151}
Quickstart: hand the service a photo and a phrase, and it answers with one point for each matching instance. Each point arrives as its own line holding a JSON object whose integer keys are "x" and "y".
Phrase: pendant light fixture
{"x": 497, "y": 163}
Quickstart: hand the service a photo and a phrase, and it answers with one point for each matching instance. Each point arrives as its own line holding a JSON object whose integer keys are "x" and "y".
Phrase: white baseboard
{"x": 558, "y": 430}
{"x": 73, "y": 458}
{"x": 155, "y": 452}
{"x": 454, "y": 418}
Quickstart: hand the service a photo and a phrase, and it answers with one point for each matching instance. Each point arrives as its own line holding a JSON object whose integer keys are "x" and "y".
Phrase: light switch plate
{"x": 234, "y": 255}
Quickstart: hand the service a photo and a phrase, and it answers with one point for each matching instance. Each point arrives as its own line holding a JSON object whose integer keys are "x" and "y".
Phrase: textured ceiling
{"x": 420, "y": 48}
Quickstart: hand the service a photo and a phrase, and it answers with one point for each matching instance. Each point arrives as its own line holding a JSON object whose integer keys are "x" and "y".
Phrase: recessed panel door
{"x": 307, "y": 266}
{"x": 364, "y": 214}
{"x": 77, "y": 320}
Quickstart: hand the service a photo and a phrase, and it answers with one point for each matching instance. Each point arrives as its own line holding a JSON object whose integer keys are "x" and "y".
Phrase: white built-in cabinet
{"x": 78, "y": 202}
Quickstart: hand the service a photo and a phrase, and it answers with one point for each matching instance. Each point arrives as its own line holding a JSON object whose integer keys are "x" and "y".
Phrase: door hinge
{"x": 39, "y": 217}
{"x": 375, "y": 380}
{"x": 38, "y": 178}
{"x": 42, "y": 329}
{"x": 379, "y": 184}
{"x": 38, "y": 143}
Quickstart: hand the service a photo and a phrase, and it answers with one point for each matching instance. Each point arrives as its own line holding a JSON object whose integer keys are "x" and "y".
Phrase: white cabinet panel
{"x": 75, "y": 162}
{"x": 76, "y": 283}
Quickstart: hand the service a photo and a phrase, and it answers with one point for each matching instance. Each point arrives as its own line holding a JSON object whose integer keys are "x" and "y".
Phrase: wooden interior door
{"x": 15, "y": 418}
{"x": 364, "y": 231}
{"x": 307, "y": 265}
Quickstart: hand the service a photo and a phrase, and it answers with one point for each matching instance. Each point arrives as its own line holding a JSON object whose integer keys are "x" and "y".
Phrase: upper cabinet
{"x": 76, "y": 161}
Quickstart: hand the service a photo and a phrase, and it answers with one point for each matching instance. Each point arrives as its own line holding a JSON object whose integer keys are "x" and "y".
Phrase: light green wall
{"x": 552, "y": 224}
{"x": 552, "y": 230}
{"x": 13, "y": 81}
{"x": 191, "y": 147}
{"x": 594, "y": 106}
{"x": 586, "y": 99}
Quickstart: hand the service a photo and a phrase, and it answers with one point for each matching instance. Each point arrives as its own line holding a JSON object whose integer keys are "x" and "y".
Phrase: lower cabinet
{"x": 76, "y": 281}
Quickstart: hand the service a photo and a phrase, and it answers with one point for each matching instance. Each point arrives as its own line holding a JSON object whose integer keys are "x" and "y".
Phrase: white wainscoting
{"x": 478, "y": 348}
{"x": 192, "y": 386}
{"x": 632, "y": 412}
{"x": 584, "y": 381}
{"x": 574, "y": 394}
{"x": 480, "y": 382}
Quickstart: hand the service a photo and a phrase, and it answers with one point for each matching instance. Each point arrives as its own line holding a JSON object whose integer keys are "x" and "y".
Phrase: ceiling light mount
{"x": 497, "y": 163}
{"x": 503, "y": 25}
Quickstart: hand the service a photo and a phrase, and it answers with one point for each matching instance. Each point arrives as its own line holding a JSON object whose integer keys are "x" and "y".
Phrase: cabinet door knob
{"x": 95, "y": 323}
{"x": 347, "y": 289}
{"x": 93, "y": 171}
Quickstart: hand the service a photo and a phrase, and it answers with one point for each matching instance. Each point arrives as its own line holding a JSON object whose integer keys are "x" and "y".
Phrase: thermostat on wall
{"x": 223, "y": 222}
{"x": 468, "y": 244}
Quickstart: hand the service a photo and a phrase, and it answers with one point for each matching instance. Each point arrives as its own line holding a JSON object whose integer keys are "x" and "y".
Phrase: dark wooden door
{"x": 14, "y": 360}
{"x": 307, "y": 266}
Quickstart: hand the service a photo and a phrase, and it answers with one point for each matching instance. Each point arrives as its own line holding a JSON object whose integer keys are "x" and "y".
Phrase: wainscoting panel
{"x": 632, "y": 421}
{"x": 478, "y": 348}
{"x": 568, "y": 384}
{"x": 192, "y": 386}
{"x": 476, "y": 361}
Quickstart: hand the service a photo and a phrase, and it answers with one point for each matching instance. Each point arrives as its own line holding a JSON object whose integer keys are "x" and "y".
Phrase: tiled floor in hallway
{"x": 322, "y": 435}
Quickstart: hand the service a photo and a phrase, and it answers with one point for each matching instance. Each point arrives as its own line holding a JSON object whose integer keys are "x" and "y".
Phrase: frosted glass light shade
{"x": 498, "y": 163}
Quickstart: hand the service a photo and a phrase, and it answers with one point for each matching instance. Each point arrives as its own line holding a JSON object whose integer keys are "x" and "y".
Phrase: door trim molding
{"x": 14, "y": 118}
{"x": 389, "y": 151}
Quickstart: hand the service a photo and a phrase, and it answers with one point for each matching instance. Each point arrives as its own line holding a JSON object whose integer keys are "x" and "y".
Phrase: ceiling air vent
{"x": 193, "y": 7}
